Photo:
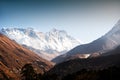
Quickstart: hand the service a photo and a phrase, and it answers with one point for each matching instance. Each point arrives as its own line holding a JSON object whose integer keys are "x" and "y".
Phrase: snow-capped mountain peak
{"x": 57, "y": 33}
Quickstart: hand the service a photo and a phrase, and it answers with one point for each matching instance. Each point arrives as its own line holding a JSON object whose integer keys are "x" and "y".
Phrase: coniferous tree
{"x": 28, "y": 73}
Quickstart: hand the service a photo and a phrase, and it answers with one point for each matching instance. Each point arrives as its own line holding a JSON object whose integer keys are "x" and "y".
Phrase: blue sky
{"x": 86, "y": 20}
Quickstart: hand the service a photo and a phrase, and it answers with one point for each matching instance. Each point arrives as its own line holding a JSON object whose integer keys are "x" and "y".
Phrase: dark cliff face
{"x": 13, "y": 57}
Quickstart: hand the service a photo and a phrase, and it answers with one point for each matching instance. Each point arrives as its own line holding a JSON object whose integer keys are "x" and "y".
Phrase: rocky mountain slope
{"x": 14, "y": 56}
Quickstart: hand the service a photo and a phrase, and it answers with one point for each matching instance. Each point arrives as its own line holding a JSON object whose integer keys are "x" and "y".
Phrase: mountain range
{"x": 48, "y": 45}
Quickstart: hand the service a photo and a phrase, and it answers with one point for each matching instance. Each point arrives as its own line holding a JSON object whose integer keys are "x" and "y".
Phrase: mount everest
{"x": 48, "y": 45}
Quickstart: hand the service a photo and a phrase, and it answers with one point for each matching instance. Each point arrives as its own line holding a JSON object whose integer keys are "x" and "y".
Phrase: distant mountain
{"x": 105, "y": 43}
{"x": 13, "y": 57}
{"x": 49, "y": 44}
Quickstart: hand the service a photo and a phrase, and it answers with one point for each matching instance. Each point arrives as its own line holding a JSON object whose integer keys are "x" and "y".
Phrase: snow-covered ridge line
{"x": 55, "y": 40}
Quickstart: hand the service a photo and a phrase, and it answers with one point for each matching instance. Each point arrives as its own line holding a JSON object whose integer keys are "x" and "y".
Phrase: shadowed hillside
{"x": 92, "y": 64}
